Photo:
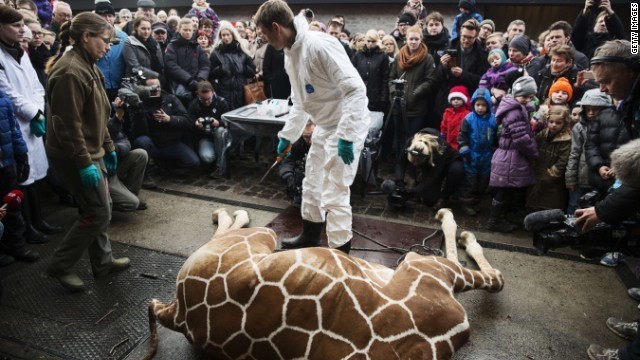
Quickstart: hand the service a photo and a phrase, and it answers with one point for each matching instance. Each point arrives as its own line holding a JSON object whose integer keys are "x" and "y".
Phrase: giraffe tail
{"x": 153, "y": 329}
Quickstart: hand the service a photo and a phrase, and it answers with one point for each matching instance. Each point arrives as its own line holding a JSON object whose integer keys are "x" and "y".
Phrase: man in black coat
{"x": 463, "y": 64}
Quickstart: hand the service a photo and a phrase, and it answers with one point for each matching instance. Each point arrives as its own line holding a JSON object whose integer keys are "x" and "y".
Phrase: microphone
{"x": 12, "y": 199}
{"x": 388, "y": 186}
{"x": 541, "y": 220}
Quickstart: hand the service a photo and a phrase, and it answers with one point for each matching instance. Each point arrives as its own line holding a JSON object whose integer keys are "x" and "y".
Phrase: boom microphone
{"x": 388, "y": 186}
{"x": 12, "y": 199}
{"x": 541, "y": 220}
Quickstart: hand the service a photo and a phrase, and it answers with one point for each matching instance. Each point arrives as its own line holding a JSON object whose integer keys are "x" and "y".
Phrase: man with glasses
{"x": 214, "y": 138}
{"x": 405, "y": 21}
{"x": 463, "y": 64}
{"x": 61, "y": 14}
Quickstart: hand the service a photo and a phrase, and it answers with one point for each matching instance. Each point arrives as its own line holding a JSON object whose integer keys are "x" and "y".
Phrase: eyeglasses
{"x": 109, "y": 41}
{"x": 203, "y": 99}
{"x": 37, "y": 33}
{"x": 468, "y": 37}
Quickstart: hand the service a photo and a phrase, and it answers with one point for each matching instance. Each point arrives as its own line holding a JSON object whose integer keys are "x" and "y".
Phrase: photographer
{"x": 596, "y": 24}
{"x": 165, "y": 133}
{"x": 125, "y": 182}
{"x": 214, "y": 137}
{"x": 434, "y": 160}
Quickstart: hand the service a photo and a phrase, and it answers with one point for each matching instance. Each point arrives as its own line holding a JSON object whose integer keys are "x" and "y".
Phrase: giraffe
{"x": 237, "y": 299}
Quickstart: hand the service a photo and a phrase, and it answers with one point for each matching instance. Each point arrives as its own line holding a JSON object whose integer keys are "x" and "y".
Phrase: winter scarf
{"x": 152, "y": 45}
{"x": 406, "y": 60}
{"x": 437, "y": 41}
{"x": 14, "y": 50}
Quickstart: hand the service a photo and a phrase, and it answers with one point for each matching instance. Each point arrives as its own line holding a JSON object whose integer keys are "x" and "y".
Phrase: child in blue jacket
{"x": 476, "y": 141}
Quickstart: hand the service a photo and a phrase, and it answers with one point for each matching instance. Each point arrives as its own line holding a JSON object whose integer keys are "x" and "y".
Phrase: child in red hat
{"x": 453, "y": 115}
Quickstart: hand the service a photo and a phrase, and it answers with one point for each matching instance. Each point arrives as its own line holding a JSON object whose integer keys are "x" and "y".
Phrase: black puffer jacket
{"x": 605, "y": 133}
{"x": 230, "y": 69}
{"x": 184, "y": 61}
{"x": 373, "y": 67}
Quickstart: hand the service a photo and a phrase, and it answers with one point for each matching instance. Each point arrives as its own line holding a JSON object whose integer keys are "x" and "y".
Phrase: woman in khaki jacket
{"x": 79, "y": 146}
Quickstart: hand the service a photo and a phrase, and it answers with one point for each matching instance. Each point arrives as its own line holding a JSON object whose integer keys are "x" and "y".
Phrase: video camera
{"x": 139, "y": 96}
{"x": 397, "y": 196}
{"x": 399, "y": 87}
{"x": 206, "y": 123}
{"x": 552, "y": 229}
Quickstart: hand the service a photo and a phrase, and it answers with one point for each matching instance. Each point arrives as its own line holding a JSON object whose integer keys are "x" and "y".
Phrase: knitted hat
{"x": 490, "y": 23}
{"x": 460, "y": 92}
{"x": 521, "y": 43}
{"x": 9, "y": 15}
{"x": 625, "y": 160}
{"x": 407, "y": 18}
{"x": 104, "y": 8}
{"x": 467, "y": 5}
{"x": 146, "y": 4}
{"x": 595, "y": 97}
{"x": 159, "y": 26}
{"x": 562, "y": 84}
{"x": 499, "y": 52}
{"x": 524, "y": 86}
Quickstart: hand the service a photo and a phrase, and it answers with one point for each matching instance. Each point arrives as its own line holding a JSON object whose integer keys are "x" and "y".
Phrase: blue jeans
{"x": 178, "y": 155}
{"x": 215, "y": 147}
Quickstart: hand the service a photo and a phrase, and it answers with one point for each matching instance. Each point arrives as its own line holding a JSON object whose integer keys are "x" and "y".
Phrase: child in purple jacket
{"x": 495, "y": 77}
{"x": 512, "y": 163}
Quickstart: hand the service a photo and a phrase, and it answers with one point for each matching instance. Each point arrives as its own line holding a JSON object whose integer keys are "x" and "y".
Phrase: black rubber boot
{"x": 36, "y": 213}
{"x": 310, "y": 236}
{"x": 345, "y": 248}
{"x": 497, "y": 222}
{"x": 31, "y": 234}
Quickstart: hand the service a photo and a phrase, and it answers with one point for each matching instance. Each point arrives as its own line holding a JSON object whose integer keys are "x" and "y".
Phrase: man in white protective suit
{"x": 327, "y": 87}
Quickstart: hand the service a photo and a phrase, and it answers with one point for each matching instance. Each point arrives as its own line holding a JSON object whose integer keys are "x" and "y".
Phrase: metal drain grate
{"x": 38, "y": 313}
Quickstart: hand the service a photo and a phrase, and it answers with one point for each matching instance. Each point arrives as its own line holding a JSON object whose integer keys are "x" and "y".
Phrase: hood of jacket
{"x": 507, "y": 104}
{"x": 485, "y": 94}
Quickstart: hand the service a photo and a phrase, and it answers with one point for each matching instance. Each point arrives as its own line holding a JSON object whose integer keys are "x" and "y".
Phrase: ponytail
{"x": 65, "y": 41}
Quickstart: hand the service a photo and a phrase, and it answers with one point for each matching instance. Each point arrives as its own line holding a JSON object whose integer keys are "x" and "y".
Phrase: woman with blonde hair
{"x": 79, "y": 146}
{"x": 231, "y": 65}
{"x": 415, "y": 65}
{"x": 373, "y": 66}
{"x": 390, "y": 47}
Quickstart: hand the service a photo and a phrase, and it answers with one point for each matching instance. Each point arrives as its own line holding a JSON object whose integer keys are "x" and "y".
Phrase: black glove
{"x": 22, "y": 167}
{"x": 193, "y": 85}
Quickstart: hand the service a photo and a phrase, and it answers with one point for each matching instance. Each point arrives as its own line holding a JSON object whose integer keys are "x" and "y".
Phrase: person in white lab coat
{"x": 327, "y": 87}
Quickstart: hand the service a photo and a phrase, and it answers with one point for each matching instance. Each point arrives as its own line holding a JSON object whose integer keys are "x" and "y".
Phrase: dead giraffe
{"x": 238, "y": 299}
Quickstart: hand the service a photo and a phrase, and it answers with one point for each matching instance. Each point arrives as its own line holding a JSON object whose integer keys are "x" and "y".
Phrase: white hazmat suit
{"x": 326, "y": 86}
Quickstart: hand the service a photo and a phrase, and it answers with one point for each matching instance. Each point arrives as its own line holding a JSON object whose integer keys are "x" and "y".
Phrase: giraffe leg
{"x": 449, "y": 228}
{"x": 223, "y": 219}
{"x": 241, "y": 219}
{"x": 153, "y": 328}
{"x": 492, "y": 278}
{"x": 469, "y": 242}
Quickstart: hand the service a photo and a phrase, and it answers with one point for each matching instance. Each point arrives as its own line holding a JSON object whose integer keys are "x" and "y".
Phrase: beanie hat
{"x": 9, "y": 15}
{"x": 467, "y": 5}
{"x": 27, "y": 33}
{"x": 460, "y": 92}
{"x": 521, "y": 43}
{"x": 524, "y": 86}
{"x": 407, "y": 18}
{"x": 499, "y": 52}
{"x": 146, "y": 4}
{"x": 625, "y": 160}
{"x": 490, "y": 23}
{"x": 595, "y": 97}
{"x": 562, "y": 84}
{"x": 104, "y": 7}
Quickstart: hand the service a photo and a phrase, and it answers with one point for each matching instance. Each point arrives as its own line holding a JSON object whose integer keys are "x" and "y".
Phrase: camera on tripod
{"x": 138, "y": 96}
{"x": 552, "y": 229}
{"x": 206, "y": 123}
{"x": 398, "y": 87}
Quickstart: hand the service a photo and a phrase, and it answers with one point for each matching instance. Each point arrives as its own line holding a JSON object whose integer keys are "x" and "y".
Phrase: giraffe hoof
{"x": 216, "y": 213}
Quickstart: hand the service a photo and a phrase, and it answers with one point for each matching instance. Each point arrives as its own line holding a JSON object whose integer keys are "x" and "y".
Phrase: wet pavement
{"x": 552, "y": 307}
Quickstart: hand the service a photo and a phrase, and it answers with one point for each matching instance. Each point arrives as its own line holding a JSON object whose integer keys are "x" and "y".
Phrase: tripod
{"x": 398, "y": 115}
